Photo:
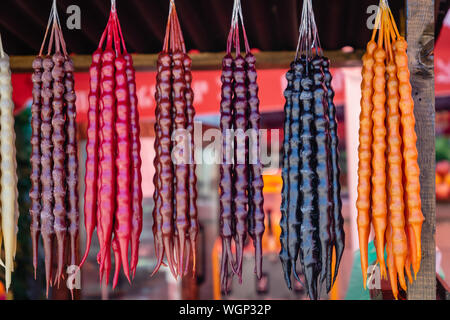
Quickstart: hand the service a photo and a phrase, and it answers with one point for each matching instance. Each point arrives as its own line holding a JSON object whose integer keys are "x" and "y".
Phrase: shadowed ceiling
{"x": 272, "y": 25}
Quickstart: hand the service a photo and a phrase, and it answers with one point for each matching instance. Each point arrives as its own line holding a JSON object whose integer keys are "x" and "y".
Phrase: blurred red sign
{"x": 206, "y": 86}
{"x": 442, "y": 59}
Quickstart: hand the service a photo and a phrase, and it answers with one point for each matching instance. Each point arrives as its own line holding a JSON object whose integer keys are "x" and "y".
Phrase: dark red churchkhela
{"x": 136, "y": 177}
{"x": 192, "y": 179}
{"x": 54, "y": 177}
{"x": 91, "y": 173}
{"x": 113, "y": 200}
{"x": 225, "y": 183}
{"x": 241, "y": 183}
{"x": 162, "y": 95}
{"x": 175, "y": 224}
{"x": 107, "y": 175}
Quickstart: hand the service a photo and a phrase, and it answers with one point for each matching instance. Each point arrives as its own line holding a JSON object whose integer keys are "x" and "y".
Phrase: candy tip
{"x": 128, "y": 278}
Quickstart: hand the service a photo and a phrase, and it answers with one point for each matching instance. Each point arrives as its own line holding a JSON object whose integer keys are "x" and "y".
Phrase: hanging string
{"x": 247, "y": 47}
{"x": 109, "y": 39}
{"x": 102, "y": 39}
{"x": 2, "y": 53}
{"x": 377, "y": 22}
{"x": 237, "y": 44}
{"x": 116, "y": 36}
{"x": 236, "y": 36}
{"x": 317, "y": 44}
{"x": 56, "y": 36}
{"x": 231, "y": 32}
{"x": 50, "y": 45}
{"x": 233, "y": 36}
{"x": 61, "y": 37}
{"x": 179, "y": 32}
{"x": 173, "y": 40}
{"x": 178, "y": 37}
{"x": 121, "y": 35}
{"x": 172, "y": 35}
{"x": 49, "y": 23}
{"x": 166, "y": 38}
{"x": 308, "y": 40}
{"x": 57, "y": 40}
{"x": 301, "y": 31}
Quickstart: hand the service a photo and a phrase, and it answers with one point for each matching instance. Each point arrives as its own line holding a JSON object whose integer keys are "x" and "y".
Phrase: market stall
{"x": 196, "y": 227}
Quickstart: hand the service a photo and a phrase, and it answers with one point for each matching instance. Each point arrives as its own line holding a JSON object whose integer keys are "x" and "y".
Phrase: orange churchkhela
{"x": 365, "y": 155}
{"x": 379, "y": 207}
{"x": 388, "y": 184}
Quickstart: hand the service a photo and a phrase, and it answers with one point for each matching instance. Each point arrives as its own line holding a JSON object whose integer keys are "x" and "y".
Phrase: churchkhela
{"x": 113, "y": 194}
{"x": 175, "y": 223}
{"x": 8, "y": 194}
{"x": 311, "y": 222}
{"x": 54, "y": 163}
{"x": 241, "y": 183}
{"x": 388, "y": 172}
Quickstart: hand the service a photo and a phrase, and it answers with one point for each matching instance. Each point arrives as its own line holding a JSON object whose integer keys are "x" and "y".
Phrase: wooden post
{"x": 420, "y": 37}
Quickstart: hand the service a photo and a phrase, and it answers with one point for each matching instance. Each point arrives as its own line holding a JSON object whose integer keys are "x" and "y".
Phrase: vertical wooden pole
{"x": 420, "y": 37}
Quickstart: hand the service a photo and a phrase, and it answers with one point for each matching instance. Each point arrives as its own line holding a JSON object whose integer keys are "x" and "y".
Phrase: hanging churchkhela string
{"x": 8, "y": 195}
{"x": 311, "y": 222}
{"x": 175, "y": 224}
{"x": 54, "y": 163}
{"x": 388, "y": 185}
{"x": 113, "y": 195}
{"x": 241, "y": 184}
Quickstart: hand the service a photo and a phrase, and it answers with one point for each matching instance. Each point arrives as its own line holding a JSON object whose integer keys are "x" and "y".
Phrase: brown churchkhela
{"x": 225, "y": 184}
{"x": 72, "y": 161}
{"x": 59, "y": 159}
{"x": 175, "y": 224}
{"x": 192, "y": 179}
{"x": 54, "y": 177}
{"x": 256, "y": 200}
{"x": 241, "y": 184}
{"x": 240, "y": 174}
{"x": 47, "y": 218}
{"x": 136, "y": 177}
{"x": 35, "y": 192}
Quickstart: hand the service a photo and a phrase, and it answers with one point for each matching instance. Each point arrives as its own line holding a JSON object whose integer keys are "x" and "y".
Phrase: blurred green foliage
{"x": 23, "y": 284}
{"x": 442, "y": 148}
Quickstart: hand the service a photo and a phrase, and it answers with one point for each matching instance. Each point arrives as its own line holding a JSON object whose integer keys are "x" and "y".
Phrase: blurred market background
{"x": 272, "y": 30}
